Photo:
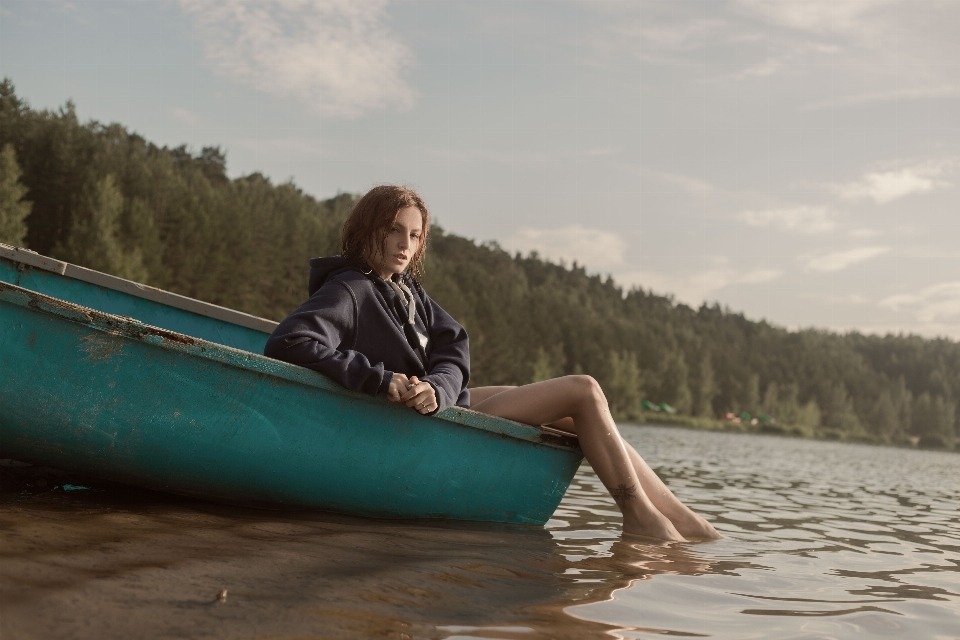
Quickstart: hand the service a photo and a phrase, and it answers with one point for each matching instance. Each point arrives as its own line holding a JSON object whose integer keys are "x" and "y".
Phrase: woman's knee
{"x": 588, "y": 390}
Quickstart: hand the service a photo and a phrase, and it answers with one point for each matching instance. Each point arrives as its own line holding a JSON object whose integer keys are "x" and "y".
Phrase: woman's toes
{"x": 701, "y": 529}
{"x": 653, "y": 526}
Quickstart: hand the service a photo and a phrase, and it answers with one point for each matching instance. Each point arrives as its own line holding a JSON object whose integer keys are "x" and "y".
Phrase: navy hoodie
{"x": 351, "y": 330}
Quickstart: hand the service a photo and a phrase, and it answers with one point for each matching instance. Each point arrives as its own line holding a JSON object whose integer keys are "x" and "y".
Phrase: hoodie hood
{"x": 322, "y": 269}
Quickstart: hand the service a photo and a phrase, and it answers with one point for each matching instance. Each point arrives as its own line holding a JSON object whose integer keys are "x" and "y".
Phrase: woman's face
{"x": 402, "y": 242}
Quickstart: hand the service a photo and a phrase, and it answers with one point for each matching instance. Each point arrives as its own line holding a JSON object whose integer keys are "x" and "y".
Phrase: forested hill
{"x": 105, "y": 198}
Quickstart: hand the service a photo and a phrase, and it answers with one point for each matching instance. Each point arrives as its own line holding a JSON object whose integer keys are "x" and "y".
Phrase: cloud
{"x": 686, "y": 35}
{"x": 839, "y": 260}
{"x": 762, "y": 69}
{"x": 280, "y": 149}
{"x": 691, "y": 289}
{"x": 648, "y": 31}
{"x": 817, "y": 16}
{"x": 524, "y": 156}
{"x": 877, "y": 34}
{"x": 886, "y": 186}
{"x": 915, "y": 93}
{"x": 759, "y": 276}
{"x": 847, "y": 298}
{"x": 800, "y": 218}
{"x": 801, "y": 52}
{"x": 520, "y": 157}
{"x": 338, "y": 56}
{"x": 859, "y": 38}
{"x": 938, "y": 302}
{"x": 697, "y": 287}
{"x": 185, "y": 116}
{"x": 593, "y": 248}
{"x": 685, "y": 183}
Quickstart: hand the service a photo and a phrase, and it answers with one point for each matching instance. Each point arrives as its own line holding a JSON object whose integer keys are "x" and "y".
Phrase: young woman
{"x": 370, "y": 326}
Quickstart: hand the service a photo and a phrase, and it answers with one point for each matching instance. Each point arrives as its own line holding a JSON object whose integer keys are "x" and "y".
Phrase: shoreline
{"x": 659, "y": 419}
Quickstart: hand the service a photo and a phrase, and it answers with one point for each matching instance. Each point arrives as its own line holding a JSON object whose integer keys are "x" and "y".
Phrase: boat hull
{"x": 114, "y": 398}
{"x": 151, "y": 306}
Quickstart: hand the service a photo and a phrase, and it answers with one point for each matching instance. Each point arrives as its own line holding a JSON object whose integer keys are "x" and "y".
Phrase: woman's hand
{"x": 399, "y": 384}
{"x": 420, "y": 396}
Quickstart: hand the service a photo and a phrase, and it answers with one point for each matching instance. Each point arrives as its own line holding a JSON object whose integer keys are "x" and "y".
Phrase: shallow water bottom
{"x": 823, "y": 540}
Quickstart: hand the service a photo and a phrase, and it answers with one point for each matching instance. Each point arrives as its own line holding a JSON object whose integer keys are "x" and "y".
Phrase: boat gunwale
{"x": 20, "y": 255}
{"x": 132, "y": 329}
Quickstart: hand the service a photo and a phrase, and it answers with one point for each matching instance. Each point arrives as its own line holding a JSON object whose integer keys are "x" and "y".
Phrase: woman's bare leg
{"x": 580, "y": 398}
{"x": 479, "y": 394}
{"x": 688, "y": 523}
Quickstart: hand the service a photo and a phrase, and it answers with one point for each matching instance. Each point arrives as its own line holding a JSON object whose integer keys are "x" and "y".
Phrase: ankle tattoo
{"x": 623, "y": 493}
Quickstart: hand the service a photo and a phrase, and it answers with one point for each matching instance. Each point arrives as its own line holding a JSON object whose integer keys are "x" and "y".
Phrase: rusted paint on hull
{"x": 112, "y": 397}
{"x": 188, "y": 319}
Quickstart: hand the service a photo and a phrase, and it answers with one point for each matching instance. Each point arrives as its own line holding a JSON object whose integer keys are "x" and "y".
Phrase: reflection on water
{"x": 823, "y": 540}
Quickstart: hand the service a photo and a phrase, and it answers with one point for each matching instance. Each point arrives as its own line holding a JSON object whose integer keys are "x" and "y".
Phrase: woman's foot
{"x": 699, "y": 528}
{"x": 687, "y": 522}
{"x": 690, "y": 525}
{"x": 652, "y": 525}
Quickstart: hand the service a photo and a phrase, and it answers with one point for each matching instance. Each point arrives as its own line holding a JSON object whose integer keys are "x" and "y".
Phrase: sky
{"x": 798, "y": 161}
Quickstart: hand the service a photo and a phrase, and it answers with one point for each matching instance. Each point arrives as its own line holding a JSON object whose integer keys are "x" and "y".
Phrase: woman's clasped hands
{"x": 412, "y": 392}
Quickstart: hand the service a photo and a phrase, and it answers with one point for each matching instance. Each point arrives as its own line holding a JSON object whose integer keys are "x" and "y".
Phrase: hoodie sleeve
{"x": 314, "y": 336}
{"x": 448, "y": 360}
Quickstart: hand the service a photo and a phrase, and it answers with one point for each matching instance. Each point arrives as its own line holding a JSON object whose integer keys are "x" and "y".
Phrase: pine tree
{"x": 138, "y": 230}
{"x": 884, "y": 422}
{"x": 751, "y": 396}
{"x": 622, "y": 385}
{"x": 933, "y": 420}
{"x": 548, "y": 363}
{"x": 903, "y": 401}
{"x": 13, "y": 208}
{"x": 93, "y": 240}
{"x": 771, "y": 400}
{"x": 810, "y": 415}
{"x": 674, "y": 384}
{"x": 839, "y": 414}
{"x": 788, "y": 409}
{"x": 706, "y": 389}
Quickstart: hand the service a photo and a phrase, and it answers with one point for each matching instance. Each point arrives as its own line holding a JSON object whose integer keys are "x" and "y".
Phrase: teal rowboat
{"x": 114, "y": 397}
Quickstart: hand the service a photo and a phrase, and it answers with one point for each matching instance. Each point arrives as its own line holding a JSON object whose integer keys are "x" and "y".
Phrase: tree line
{"x": 103, "y": 197}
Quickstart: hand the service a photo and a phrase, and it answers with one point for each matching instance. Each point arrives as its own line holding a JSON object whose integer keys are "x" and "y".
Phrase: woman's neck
{"x": 386, "y": 275}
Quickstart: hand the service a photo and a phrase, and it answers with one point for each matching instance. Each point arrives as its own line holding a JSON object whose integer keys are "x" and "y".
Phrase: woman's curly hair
{"x": 366, "y": 228}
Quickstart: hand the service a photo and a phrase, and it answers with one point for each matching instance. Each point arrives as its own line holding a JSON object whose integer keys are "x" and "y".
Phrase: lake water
{"x": 823, "y": 540}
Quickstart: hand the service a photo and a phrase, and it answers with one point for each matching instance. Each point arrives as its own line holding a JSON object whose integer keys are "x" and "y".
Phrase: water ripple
{"x": 823, "y": 540}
